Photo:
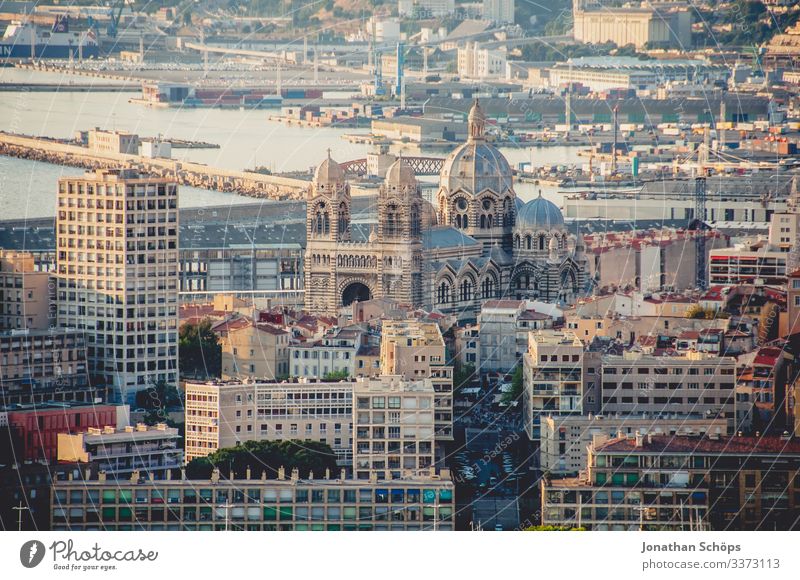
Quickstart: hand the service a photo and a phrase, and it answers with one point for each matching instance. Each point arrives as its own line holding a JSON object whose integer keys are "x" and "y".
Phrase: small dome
{"x": 329, "y": 172}
{"x": 400, "y": 173}
{"x": 539, "y": 214}
{"x": 429, "y": 218}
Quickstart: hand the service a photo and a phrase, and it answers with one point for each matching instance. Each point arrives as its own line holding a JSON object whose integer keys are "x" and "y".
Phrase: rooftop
{"x": 720, "y": 445}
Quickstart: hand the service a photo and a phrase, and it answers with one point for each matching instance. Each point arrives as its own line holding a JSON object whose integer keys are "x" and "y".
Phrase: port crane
{"x": 115, "y": 14}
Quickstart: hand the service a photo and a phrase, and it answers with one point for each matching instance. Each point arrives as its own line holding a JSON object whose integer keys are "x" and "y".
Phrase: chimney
{"x": 215, "y": 475}
{"x": 169, "y": 475}
{"x": 295, "y": 475}
{"x": 343, "y": 474}
{"x": 101, "y": 477}
{"x": 135, "y": 476}
{"x": 639, "y": 439}
{"x": 281, "y": 472}
{"x": 247, "y": 476}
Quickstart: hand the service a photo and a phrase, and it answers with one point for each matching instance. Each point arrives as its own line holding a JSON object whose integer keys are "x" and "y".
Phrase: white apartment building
{"x": 426, "y": 8}
{"x": 333, "y": 353}
{"x": 394, "y": 428}
{"x": 564, "y": 440}
{"x": 553, "y": 378}
{"x": 119, "y": 452}
{"x": 475, "y": 62}
{"x": 499, "y": 11}
{"x": 117, "y": 273}
{"x": 223, "y": 414}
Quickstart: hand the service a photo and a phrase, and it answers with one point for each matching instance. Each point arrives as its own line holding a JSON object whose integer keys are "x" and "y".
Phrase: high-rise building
{"x": 553, "y": 378}
{"x": 416, "y": 350}
{"x": 117, "y": 258}
{"x": 499, "y": 11}
{"x": 394, "y": 428}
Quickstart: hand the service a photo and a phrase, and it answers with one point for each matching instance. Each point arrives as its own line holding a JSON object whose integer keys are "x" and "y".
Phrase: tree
{"x": 267, "y": 456}
{"x": 334, "y": 376}
{"x": 516, "y": 386}
{"x": 159, "y": 397}
{"x": 200, "y": 352}
{"x": 463, "y": 376}
{"x": 554, "y": 529}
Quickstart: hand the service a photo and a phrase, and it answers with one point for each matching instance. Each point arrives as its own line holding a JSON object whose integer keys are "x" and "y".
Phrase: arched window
{"x": 343, "y": 219}
{"x": 443, "y": 293}
{"x": 483, "y": 222}
{"x": 465, "y": 293}
{"x": 528, "y": 242}
{"x": 415, "y": 224}
{"x": 487, "y": 288}
{"x": 542, "y": 243}
{"x": 490, "y": 221}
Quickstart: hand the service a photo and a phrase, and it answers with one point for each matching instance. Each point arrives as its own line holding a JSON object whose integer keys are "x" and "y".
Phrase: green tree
{"x": 159, "y": 397}
{"x": 516, "y": 386}
{"x": 463, "y": 376}
{"x": 554, "y": 529}
{"x": 333, "y": 376}
{"x": 200, "y": 353}
{"x": 267, "y": 456}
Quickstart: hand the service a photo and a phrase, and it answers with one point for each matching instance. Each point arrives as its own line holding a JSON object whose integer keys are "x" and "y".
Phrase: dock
{"x": 186, "y": 173}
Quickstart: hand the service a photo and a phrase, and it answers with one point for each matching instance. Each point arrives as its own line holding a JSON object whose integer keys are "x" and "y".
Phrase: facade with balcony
{"x": 284, "y": 504}
{"x": 119, "y": 452}
{"x": 681, "y": 483}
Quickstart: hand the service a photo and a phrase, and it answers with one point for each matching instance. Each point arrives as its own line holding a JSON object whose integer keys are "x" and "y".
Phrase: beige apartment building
{"x": 223, "y": 414}
{"x": 696, "y": 382}
{"x": 565, "y": 439}
{"x": 255, "y": 351}
{"x": 24, "y": 293}
{"x": 416, "y": 350}
{"x": 117, "y": 275}
{"x": 394, "y": 425}
{"x": 552, "y": 377}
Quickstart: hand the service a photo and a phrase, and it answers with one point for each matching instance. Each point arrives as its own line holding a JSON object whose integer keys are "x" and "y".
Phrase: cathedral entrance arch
{"x": 355, "y": 291}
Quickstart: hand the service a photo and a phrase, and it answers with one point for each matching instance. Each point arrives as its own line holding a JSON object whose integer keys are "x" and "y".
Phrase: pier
{"x": 186, "y": 173}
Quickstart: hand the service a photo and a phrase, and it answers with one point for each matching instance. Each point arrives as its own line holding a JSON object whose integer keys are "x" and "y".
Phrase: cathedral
{"x": 479, "y": 243}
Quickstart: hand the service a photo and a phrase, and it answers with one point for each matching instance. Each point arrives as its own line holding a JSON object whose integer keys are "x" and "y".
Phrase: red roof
{"x": 683, "y": 444}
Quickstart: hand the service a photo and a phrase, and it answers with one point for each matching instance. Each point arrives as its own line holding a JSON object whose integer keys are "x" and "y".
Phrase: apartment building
{"x": 45, "y": 365}
{"x": 223, "y": 414}
{"x": 499, "y": 11}
{"x": 467, "y": 345}
{"x": 480, "y": 63}
{"x": 552, "y": 378}
{"x": 114, "y": 142}
{"x": 34, "y": 429}
{"x": 117, "y": 273}
{"x": 394, "y": 426}
{"x": 416, "y": 350}
{"x": 151, "y": 450}
{"x": 335, "y": 352}
{"x": 255, "y": 351}
{"x": 285, "y": 504}
{"x": 694, "y": 382}
{"x": 748, "y": 264}
{"x": 793, "y": 303}
{"x": 24, "y": 293}
{"x": 498, "y": 321}
{"x": 564, "y": 440}
{"x": 681, "y": 483}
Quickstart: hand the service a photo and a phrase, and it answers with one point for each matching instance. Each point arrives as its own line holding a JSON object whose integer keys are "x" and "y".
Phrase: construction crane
{"x": 114, "y": 17}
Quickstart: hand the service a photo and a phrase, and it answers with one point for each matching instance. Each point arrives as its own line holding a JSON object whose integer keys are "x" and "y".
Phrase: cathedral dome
{"x": 476, "y": 165}
{"x": 329, "y": 172}
{"x": 400, "y": 174}
{"x": 539, "y": 214}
